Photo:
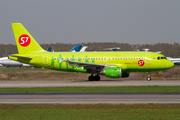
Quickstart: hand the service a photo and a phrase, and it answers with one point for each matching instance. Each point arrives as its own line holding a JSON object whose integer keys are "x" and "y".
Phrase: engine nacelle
{"x": 114, "y": 72}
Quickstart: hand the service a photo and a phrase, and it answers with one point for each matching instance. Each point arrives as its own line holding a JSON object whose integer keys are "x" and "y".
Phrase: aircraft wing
{"x": 86, "y": 65}
{"x": 93, "y": 66}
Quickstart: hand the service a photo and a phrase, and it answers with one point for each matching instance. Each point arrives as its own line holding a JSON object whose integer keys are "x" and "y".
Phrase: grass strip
{"x": 89, "y": 111}
{"x": 96, "y": 89}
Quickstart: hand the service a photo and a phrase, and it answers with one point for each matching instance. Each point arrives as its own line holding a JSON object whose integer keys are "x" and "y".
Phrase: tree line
{"x": 169, "y": 50}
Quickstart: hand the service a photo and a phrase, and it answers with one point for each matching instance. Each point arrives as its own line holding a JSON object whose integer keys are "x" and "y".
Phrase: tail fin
{"x": 49, "y": 49}
{"x": 24, "y": 41}
{"x": 83, "y": 49}
{"x": 76, "y": 48}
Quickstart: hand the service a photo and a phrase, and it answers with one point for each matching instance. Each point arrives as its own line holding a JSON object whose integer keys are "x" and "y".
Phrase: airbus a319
{"x": 111, "y": 64}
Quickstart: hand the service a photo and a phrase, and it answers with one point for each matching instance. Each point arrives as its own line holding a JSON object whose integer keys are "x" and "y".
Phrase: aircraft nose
{"x": 170, "y": 64}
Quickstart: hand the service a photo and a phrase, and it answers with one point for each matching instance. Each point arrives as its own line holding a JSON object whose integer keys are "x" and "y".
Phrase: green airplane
{"x": 110, "y": 64}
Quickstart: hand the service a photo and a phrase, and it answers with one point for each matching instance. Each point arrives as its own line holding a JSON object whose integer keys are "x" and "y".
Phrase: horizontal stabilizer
{"x": 22, "y": 57}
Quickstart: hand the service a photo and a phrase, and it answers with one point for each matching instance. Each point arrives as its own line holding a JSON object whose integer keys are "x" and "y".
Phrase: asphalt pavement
{"x": 46, "y": 98}
{"x": 80, "y": 83}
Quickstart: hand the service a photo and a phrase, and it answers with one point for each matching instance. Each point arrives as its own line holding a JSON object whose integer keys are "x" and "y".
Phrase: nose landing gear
{"x": 148, "y": 76}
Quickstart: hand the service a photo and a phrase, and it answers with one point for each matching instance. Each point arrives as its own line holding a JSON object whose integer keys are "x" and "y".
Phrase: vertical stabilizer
{"x": 83, "y": 49}
{"x": 24, "y": 41}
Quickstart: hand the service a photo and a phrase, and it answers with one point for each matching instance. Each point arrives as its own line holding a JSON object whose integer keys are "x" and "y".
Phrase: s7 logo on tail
{"x": 24, "y": 40}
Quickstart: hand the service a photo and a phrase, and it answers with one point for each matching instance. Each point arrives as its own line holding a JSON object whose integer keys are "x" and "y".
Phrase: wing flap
{"x": 83, "y": 64}
{"x": 86, "y": 65}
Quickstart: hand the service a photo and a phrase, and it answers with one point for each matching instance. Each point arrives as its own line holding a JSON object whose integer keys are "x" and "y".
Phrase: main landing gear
{"x": 148, "y": 77}
{"x": 94, "y": 78}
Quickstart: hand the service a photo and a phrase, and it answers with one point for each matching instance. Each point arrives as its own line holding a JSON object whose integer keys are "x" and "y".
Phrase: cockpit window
{"x": 161, "y": 58}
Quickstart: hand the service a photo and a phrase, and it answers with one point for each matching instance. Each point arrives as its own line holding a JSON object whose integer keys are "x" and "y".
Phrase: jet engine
{"x": 114, "y": 72}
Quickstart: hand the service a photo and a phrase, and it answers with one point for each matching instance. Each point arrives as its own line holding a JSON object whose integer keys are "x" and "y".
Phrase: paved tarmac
{"x": 41, "y": 98}
{"x": 71, "y": 83}
{"x": 22, "y": 98}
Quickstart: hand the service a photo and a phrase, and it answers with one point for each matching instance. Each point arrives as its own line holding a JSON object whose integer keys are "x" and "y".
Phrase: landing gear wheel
{"x": 91, "y": 78}
{"x": 149, "y": 78}
{"x": 97, "y": 78}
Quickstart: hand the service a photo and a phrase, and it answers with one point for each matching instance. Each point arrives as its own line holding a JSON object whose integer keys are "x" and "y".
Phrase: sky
{"x": 83, "y": 21}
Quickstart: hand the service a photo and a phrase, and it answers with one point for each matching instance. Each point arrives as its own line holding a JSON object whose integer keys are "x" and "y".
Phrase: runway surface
{"x": 22, "y": 98}
{"x": 40, "y": 98}
{"x": 71, "y": 83}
